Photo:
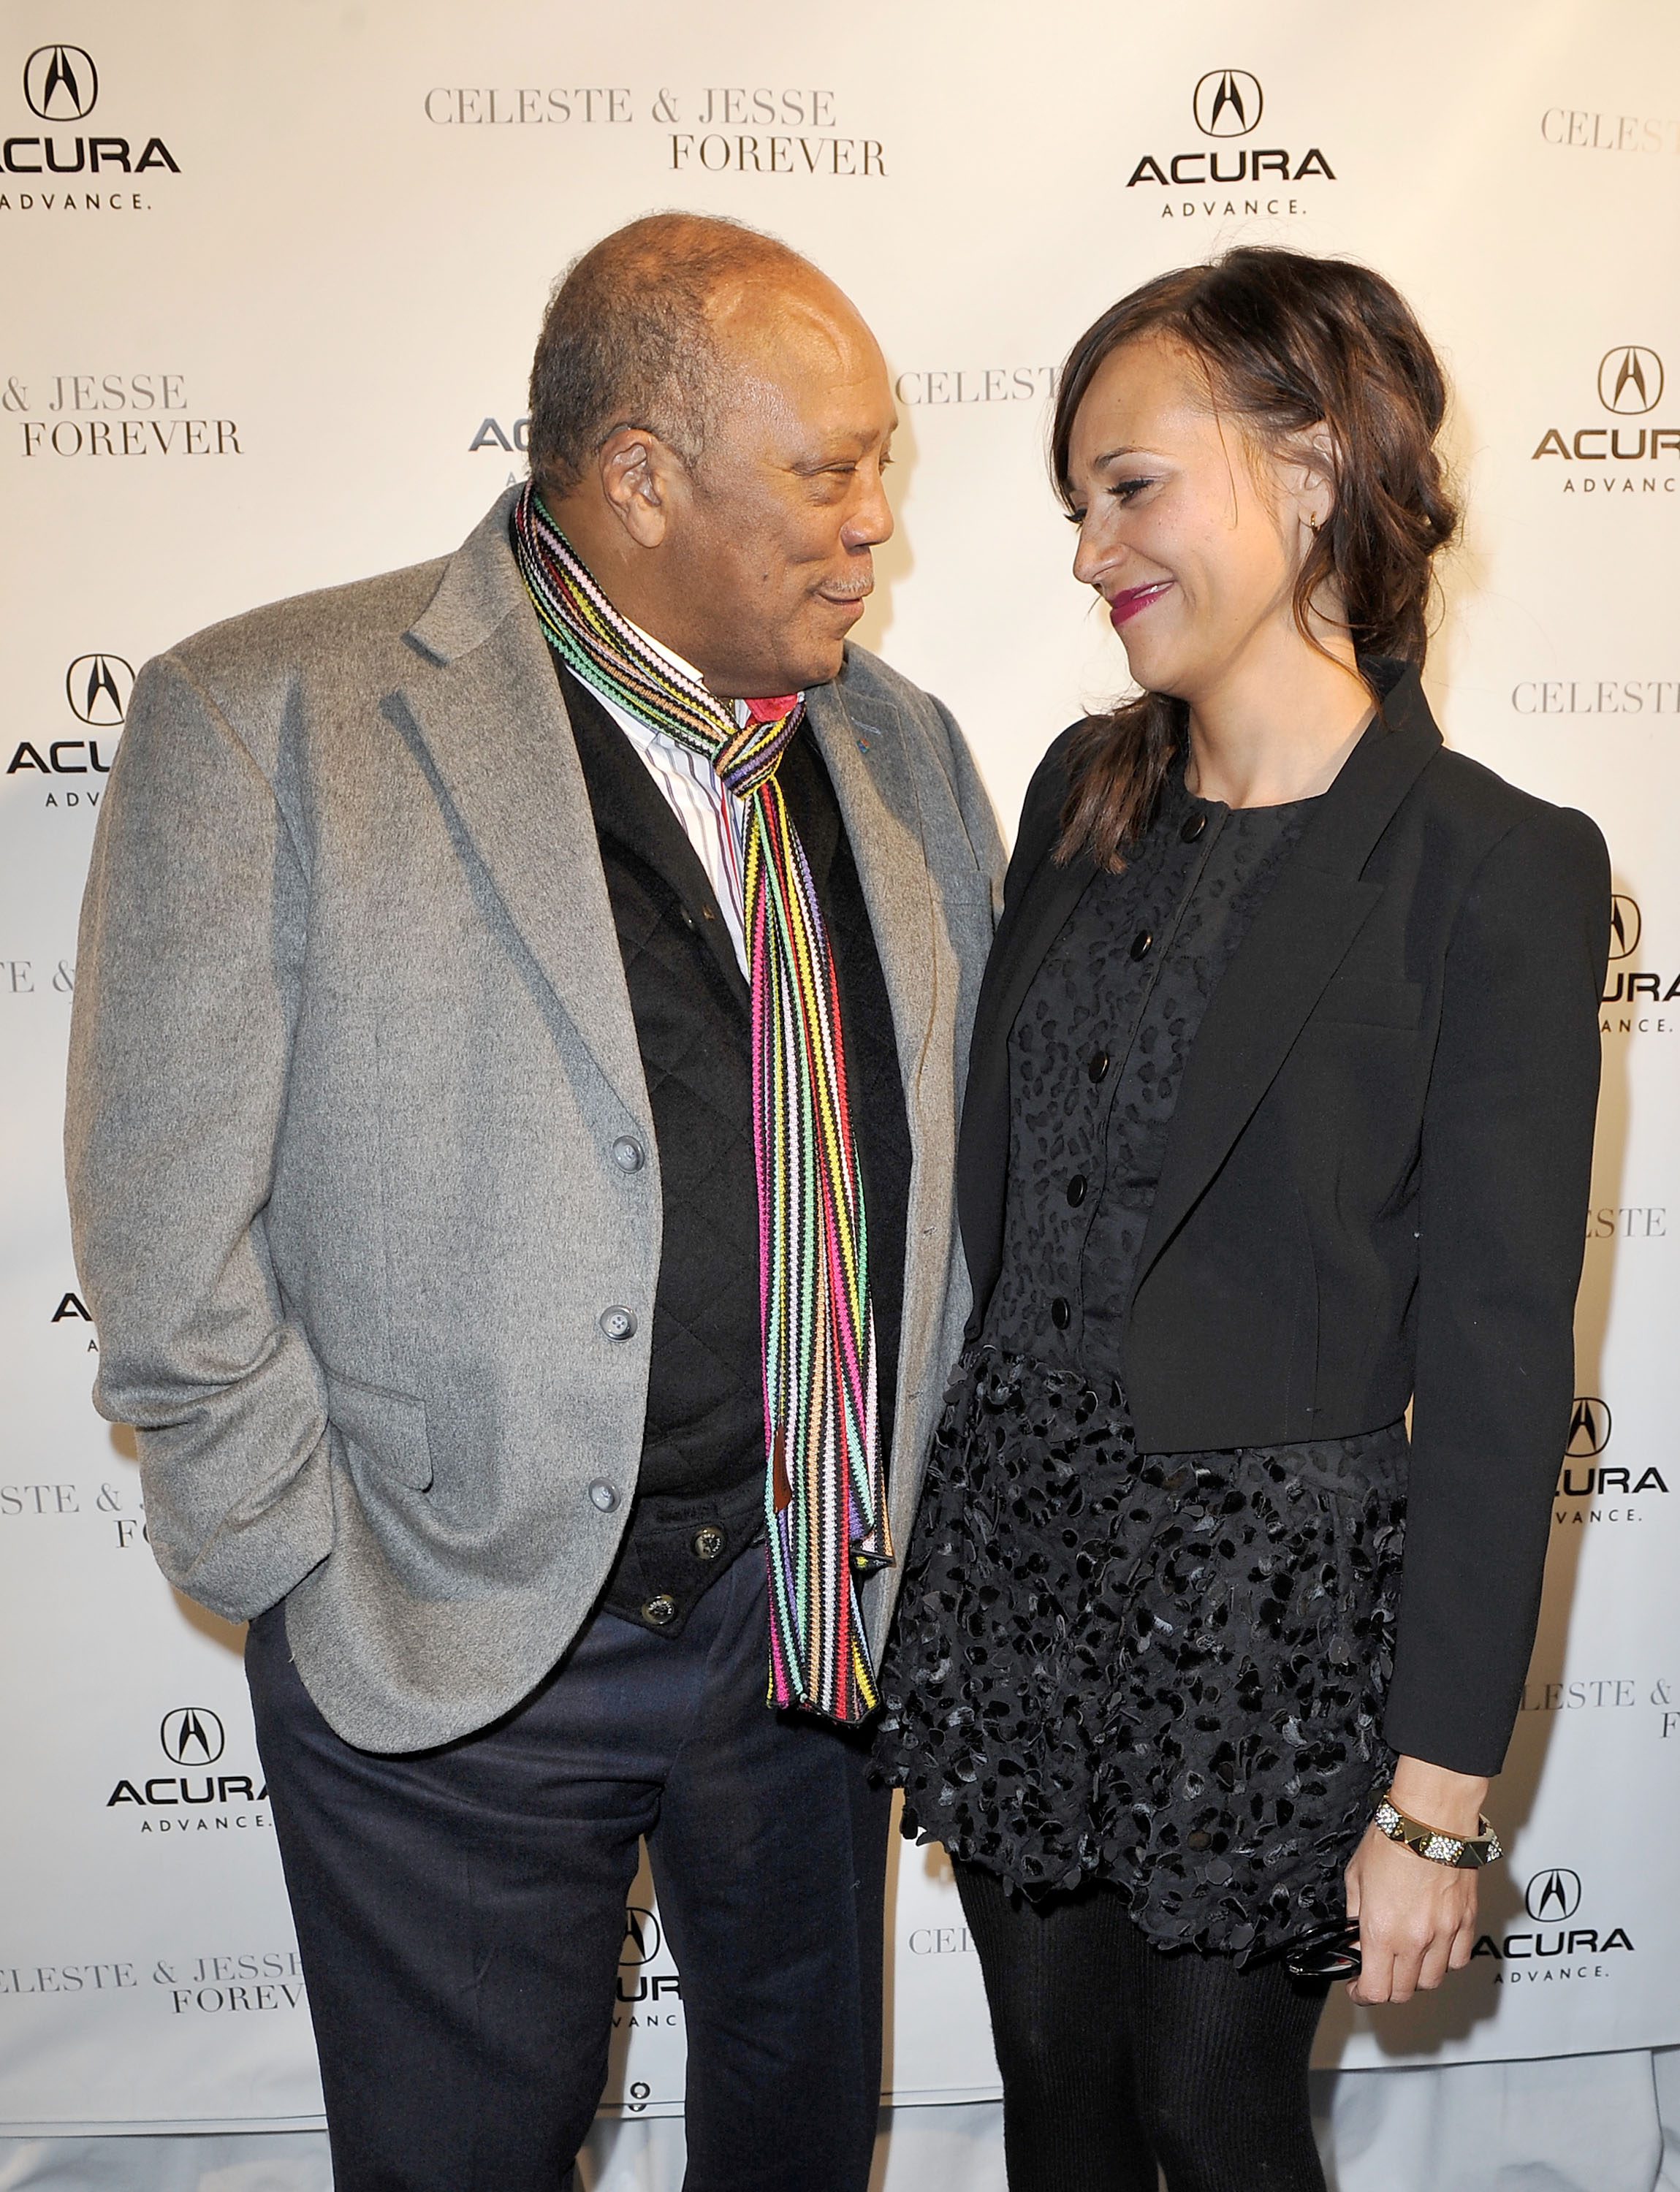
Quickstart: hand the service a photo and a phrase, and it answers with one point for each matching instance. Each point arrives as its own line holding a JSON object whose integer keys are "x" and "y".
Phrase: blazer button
{"x": 1140, "y": 944}
{"x": 617, "y": 1323}
{"x": 1060, "y": 1315}
{"x": 602, "y": 1495}
{"x": 627, "y": 1154}
{"x": 1076, "y": 1189}
{"x": 1098, "y": 1068}
{"x": 708, "y": 1542}
{"x": 1193, "y": 826}
{"x": 661, "y": 1611}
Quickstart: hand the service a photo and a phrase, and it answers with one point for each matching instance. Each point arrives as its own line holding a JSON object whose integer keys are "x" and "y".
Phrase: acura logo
{"x": 97, "y": 687}
{"x": 1630, "y": 380}
{"x": 1227, "y": 103}
{"x": 1555, "y": 1894}
{"x": 641, "y": 1936}
{"x": 191, "y": 1735}
{"x": 1625, "y": 926}
{"x": 60, "y": 82}
{"x": 1589, "y": 1429}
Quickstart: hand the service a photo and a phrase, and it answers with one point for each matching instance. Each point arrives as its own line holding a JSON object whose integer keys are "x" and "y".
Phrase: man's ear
{"x": 639, "y": 475}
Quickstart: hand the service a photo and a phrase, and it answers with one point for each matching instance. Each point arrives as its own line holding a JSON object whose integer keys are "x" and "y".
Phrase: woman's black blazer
{"x": 1375, "y": 1183}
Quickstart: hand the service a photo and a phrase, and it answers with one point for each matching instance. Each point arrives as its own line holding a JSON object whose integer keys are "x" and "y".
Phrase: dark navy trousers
{"x": 460, "y": 1913}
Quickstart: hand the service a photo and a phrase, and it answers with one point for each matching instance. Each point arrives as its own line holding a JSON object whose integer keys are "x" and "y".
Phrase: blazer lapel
{"x": 1030, "y": 926}
{"x": 881, "y": 811}
{"x": 1024, "y": 936}
{"x": 875, "y": 786}
{"x": 1302, "y": 931}
{"x": 483, "y": 710}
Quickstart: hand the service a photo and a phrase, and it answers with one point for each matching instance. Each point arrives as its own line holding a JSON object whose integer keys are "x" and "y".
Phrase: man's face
{"x": 766, "y": 564}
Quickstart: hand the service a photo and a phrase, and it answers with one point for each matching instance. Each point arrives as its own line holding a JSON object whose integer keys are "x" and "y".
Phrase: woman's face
{"x": 1191, "y": 531}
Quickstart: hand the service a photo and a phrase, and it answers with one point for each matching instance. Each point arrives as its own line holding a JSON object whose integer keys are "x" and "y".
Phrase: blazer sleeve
{"x": 1506, "y": 1162}
{"x": 188, "y": 971}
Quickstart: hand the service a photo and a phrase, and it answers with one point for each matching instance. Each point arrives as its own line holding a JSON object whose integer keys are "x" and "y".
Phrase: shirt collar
{"x": 670, "y": 654}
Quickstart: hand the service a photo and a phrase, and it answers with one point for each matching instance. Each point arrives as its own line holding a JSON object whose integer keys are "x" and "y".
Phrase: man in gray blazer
{"x": 513, "y": 1086}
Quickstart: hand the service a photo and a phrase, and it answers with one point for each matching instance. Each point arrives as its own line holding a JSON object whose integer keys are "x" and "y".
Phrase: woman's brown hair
{"x": 1288, "y": 342}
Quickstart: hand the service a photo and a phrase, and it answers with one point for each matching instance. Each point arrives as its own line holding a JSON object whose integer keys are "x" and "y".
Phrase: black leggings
{"x": 1116, "y": 2056}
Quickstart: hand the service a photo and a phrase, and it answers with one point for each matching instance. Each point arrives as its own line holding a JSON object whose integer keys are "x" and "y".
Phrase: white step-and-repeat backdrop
{"x": 273, "y": 278}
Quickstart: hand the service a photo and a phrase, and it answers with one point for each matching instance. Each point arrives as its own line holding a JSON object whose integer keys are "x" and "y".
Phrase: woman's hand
{"x": 1417, "y": 1919}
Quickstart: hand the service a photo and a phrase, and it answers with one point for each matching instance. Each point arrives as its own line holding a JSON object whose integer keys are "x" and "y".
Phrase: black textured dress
{"x": 1163, "y": 1671}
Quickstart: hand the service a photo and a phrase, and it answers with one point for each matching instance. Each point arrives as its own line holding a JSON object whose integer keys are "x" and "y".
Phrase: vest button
{"x": 627, "y": 1154}
{"x": 1194, "y": 825}
{"x": 602, "y": 1495}
{"x": 661, "y": 1611}
{"x": 1098, "y": 1068}
{"x": 1076, "y": 1190}
{"x": 617, "y": 1323}
{"x": 1142, "y": 942}
{"x": 1060, "y": 1315}
{"x": 709, "y": 1542}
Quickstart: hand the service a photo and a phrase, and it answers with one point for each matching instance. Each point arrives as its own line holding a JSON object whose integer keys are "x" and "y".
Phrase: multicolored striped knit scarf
{"x": 823, "y": 1506}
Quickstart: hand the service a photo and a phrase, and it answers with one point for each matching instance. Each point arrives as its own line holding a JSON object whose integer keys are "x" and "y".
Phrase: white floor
{"x": 1589, "y": 2123}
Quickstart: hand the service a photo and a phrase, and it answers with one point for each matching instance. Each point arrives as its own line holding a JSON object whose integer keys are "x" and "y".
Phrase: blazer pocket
{"x": 1372, "y": 1004}
{"x": 389, "y": 1428}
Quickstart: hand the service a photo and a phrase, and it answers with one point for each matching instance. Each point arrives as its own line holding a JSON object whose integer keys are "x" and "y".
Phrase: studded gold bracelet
{"x": 1466, "y": 1851}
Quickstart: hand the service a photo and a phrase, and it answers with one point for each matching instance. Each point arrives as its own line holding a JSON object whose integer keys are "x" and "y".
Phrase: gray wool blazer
{"x": 350, "y": 1049}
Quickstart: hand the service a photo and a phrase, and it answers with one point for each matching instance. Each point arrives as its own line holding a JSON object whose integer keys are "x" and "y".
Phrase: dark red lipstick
{"x": 1126, "y": 605}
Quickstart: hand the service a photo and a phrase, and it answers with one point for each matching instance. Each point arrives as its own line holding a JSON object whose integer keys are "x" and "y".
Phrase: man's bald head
{"x": 710, "y": 423}
{"x": 640, "y": 331}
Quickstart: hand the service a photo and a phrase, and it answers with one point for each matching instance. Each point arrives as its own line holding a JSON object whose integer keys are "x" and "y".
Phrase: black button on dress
{"x": 1165, "y": 1671}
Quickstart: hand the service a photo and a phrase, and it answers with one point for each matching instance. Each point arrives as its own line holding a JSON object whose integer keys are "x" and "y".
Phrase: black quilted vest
{"x": 703, "y": 1451}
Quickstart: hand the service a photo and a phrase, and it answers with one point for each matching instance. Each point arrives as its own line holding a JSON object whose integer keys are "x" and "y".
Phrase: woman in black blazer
{"x": 1279, "y": 1119}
